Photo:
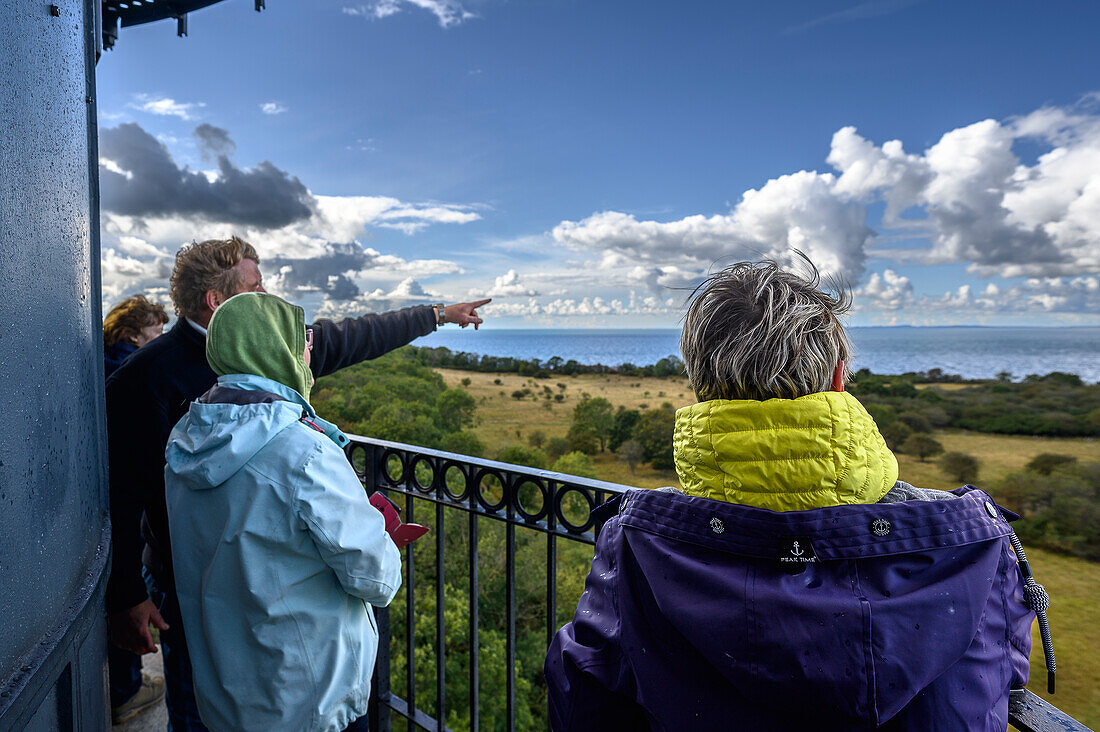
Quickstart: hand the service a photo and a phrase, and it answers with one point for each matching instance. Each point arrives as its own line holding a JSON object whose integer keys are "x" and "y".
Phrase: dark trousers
{"x": 179, "y": 691}
{"x": 359, "y": 725}
{"x": 124, "y": 672}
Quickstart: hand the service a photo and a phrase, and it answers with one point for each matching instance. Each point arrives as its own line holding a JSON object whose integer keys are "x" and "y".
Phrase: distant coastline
{"x": 972, "y": 352}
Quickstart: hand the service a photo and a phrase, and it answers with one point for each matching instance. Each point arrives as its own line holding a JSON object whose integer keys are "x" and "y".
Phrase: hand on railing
{"x": 402, "y": 534}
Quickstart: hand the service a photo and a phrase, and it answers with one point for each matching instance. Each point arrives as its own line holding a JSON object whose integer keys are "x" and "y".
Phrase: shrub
{"x": 921, "y": 445}
{"x": 960, "y": 466}
{"x": 556, "y": 447}
{"x": 915, "y": 421}
{"x": 518, "y": 394}
{"x": 536, "y": 438}
{"x": 575, "y": 463}
{"x": 631, "y": 453}
{"x": 466, "y": 381}
{"x": 1060, "y": 511}
{"x": 498, "y": 382}
{"x": 532, "y": 457}
{"x": 1047, "y": 462}
{"x": 895, "y": 433}
{"x": 464, "y": 443}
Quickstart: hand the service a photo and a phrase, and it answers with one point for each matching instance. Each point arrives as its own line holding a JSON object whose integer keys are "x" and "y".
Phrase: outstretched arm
{"x": 338, "y": 345}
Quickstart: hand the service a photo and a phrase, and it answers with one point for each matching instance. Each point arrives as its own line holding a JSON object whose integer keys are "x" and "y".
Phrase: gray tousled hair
{"x": 754, "y": 331}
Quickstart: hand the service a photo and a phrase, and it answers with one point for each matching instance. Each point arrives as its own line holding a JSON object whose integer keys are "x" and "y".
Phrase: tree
{"x": 456, "y": 409}
{"x": 575, "y": 463}
{"x": 582, "y": 440}
{"x": 960, "y": 466}
{"x": 596, "y": 417}
{"x": 1047, "y": 462}
{"x": 622, "y": 427}
{"x": 654, "y": 433}
{"x": 922, "y": 445}
{"x": 536, "y": 438}
{"x": 631, "y": 453}
{"x": 532, "y": 457}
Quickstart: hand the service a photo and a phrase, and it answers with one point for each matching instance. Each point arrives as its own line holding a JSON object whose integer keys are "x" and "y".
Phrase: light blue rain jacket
{"x": 277, "y": 555}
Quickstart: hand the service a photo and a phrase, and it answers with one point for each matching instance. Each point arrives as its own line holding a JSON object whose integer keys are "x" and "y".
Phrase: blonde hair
{"x": 753, "y": 331}
{"x": 205, "y": 266}
{"x": 125, "y": 320}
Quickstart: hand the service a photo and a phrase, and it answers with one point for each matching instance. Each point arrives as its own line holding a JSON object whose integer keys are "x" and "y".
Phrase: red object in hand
{"x": 402, "y": 534}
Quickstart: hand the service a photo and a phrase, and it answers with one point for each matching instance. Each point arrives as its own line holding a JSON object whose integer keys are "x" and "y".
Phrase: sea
{"x": 970, "y": 352}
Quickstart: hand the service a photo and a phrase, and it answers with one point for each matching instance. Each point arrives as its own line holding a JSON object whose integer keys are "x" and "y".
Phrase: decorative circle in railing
{"x": 574, "y": 509}
{"x": 531, "y": 502}
{"x": 423, "y": 474}
{"x": 359, "y": 459}
{"x": 393, "y": 467}
{"x": 455, "y": 485}
{"x": 489, "y": 489}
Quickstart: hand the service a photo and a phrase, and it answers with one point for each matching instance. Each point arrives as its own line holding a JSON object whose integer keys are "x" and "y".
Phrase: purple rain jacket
{"x": 702, "y": 614}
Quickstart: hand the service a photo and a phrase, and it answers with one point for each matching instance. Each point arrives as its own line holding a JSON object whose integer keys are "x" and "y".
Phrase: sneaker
{"x": 149, "y": 695}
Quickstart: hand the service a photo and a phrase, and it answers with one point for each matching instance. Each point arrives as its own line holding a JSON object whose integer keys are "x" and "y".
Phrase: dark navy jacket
{"x": 701, "y": 614}
{"x": 152, "y": 390}
{"x": 114, "y": 357}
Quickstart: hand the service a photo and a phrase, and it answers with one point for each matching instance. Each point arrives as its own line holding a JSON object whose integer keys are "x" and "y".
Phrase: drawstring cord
{"x": 1037, "y": 599}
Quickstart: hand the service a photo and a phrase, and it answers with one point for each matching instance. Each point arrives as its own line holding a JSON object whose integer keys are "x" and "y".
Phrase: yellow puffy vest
{"x": 783, "y": 454}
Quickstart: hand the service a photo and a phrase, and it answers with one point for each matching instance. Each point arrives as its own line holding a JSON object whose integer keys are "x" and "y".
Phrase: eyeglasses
{"x": 309, "y": 339}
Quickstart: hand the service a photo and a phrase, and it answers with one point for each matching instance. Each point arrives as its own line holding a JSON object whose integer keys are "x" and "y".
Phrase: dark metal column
{"x": 53, "y": 492}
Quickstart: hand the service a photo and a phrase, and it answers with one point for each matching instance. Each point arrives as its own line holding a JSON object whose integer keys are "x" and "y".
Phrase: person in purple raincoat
{"x": 791, "y": 582}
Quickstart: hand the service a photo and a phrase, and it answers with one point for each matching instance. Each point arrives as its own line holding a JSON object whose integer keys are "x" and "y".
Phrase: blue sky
{"x": 584, "y": 162}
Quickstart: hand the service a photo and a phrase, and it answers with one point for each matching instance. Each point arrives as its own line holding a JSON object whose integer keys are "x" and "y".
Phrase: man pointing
{"x": 150, "y": 393}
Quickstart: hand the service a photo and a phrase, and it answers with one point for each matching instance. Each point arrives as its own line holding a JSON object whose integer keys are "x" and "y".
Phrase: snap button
{"x": 991, "y": 509}
{"x": 880, "y": 527}
{"x": 717, "y": 526}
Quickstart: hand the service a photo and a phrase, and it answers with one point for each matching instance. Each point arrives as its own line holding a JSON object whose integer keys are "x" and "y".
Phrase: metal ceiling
{"x": 125, "y": 13}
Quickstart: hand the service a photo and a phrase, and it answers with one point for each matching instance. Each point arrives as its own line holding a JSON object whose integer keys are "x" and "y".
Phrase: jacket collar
{"x": 251, "y": 382}
{"x": 783, "y": 454}
{"x": 836, "y": 532}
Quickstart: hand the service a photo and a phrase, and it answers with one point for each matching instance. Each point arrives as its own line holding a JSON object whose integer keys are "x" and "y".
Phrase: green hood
{"x": 260, "y": 334}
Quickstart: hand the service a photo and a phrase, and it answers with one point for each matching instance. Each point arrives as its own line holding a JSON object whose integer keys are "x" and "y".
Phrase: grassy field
{"x": 1074, "y": 584}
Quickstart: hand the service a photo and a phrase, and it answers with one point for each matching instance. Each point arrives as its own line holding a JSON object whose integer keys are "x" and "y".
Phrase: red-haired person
{"x": 128, "y": 326}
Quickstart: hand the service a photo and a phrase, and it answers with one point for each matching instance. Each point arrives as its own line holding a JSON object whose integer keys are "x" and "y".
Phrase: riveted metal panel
{"x": 53, "y": 491}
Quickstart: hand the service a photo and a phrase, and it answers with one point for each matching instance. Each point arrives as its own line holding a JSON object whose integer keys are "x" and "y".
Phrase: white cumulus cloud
{"x": 165, "y": 106}
{"x": 447, "y": 12}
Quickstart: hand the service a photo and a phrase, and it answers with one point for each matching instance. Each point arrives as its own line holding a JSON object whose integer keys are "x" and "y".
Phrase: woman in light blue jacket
{"x": 278, "y": 554}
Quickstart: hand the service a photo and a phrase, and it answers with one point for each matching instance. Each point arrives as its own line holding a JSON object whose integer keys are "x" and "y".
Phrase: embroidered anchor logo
{"x": 796, "y": 550}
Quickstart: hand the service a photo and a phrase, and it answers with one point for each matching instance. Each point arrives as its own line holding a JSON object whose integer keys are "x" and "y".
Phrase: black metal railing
{"x": 555, "y": 505}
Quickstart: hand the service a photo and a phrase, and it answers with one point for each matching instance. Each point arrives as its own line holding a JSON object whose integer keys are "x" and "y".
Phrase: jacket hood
{"x": 783, "y": 454}
{"x": 233, "y": 421}
{"x": 257, "y": 333}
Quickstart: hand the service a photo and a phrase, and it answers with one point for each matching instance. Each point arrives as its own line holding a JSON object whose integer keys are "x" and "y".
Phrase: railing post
{"x": 378, "y": 713}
